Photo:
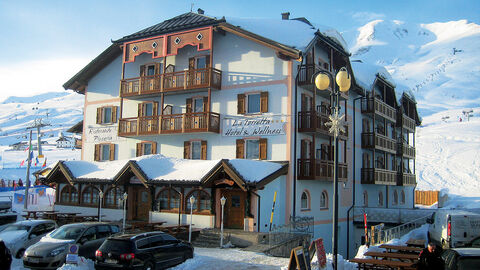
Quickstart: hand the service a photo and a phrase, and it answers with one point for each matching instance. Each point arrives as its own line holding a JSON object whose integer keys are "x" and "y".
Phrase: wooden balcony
{"x": 373, "y": 140}
{"x": 378, "y": 176}
{"x": 171, "y": 123}
{"x": 316, "y": 169}
{"x": 404, "y": 149}
{"x": 305, "y": 73}
{"x": 314, "y": 122}
{"x": 170, "y": 82}
{"x": 405, "y": 122}
{"x": 406, "y": 179}
{"x": 375, "y": 105}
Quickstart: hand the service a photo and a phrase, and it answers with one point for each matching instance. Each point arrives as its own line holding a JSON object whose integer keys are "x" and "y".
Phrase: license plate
{"x": 34, "y": 260}
{"x": 111, "y": 261}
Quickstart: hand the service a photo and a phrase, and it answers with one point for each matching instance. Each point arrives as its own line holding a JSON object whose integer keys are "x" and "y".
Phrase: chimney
{"x": 201, "y": 11}
{"x": 286, "y": 16}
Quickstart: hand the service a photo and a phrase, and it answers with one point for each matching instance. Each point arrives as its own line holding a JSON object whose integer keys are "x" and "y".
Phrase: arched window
{"x": 167, "y": 199}
{"x": 69, "y": 195}
{"x": 380, "y": 198}
{"x": 202, "y": 201}
{"x": 402, "y": 197}
{"x": 305, "y": 201}
{"x": 395, "y": 197}
{"x": 90, "y": 195}
{"x": 324, "y": 200}
{"x": 112, "y": 198}
{"x": 365, "y": 198}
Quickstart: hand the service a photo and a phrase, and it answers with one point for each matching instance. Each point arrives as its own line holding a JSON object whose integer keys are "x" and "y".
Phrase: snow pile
{"x": 83, "y": 264}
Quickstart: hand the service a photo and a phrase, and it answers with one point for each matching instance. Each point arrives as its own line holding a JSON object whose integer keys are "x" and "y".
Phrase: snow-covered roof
{"x": 253, "y": 170}
{"x": 365, "y": 74}
{"x": 81, "y": 169}
{"x": 333, "y": 34}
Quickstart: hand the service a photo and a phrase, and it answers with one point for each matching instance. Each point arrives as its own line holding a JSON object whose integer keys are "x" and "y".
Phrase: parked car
{"x": 461, "y": 258}
{"x": 50, "y": 252}
{"x": 20, "y": 235}
{"x": 453, "y": 228}
{"x": 152, "y": 250}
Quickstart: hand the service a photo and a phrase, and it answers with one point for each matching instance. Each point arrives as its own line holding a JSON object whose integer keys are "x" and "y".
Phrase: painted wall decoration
{"x": 103, "y": 134}
{"x": 254, "y": 126}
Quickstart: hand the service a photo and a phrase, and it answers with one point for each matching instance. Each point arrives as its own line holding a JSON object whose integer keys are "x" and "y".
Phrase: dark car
{"x": 461, "y": 258}
{"x": 50, "y": 252}
{"x": 151, "y": 250}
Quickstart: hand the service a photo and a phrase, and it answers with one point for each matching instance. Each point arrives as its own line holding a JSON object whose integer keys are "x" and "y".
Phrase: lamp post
{"x": 192, "y": 201}
{"x": 125, "y": 195}
{"x": 222, "y": 202}
{"x": 322, "y": 82}
{"x": 100, "y": 194}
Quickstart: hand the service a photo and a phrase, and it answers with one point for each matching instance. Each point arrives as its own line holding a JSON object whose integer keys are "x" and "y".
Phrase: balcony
{"x": 171, "y": 82}
{"x": 314, "y": 122}
{"x": 168, "y": 124}
{"x": 373, "y": 140}
{"x": 379, "y": 176}
{"x": 405, "y": 122}
{"x": 375, "y": 105}
{"x": 305, "y": 73}
{"x": 404, "y": 149}
{"x": 406, "y": 179}
{"x": 316, "y": 169}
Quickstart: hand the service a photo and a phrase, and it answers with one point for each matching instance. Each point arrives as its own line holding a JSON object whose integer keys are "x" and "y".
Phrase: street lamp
{"x": 125, "y": 195}
{"x": 222, "y": 201}
{"x": 192, "y": 201}
{"x": 100, "y": 194}
{"x": 322, "y": 82}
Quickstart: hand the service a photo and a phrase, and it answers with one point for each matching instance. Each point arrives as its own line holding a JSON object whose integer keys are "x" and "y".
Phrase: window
{"x": 324, "y": 200}
{"x": 252, "y": 148}
{"x": 202, "y": 201}
{"x": 90, "y": 195}
{"x": 195, "y": 105}
{"x": 380, "y": 198}
{"x": 147, "y": 109}
{"x": 69, "y": 195}
{"x": 150, "y": 70}
{"x": 305, "y": 201}
{"x": 107, "y": 115}
{"x": 195, "y": 150}
{"x": 146, "y": 148}
{"x": 104, "y": 152}
{"x": 198, "y": 105}
{"x": 252, "y": 103}
{"x": 89, "y": 234}
{"x": 365, "y": 198}
{"x": 402, "y": 197}
{"x": 307, "y": 103}
{"x": 167, "y": 199}
{"x": 112, "y": 198}
{"x": 395, "y": 197}
{"x": 201, "y": 62}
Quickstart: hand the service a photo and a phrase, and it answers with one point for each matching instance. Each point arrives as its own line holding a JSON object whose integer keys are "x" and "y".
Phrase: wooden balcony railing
{"x": 404, "y": 149}
{"x": 316, "y": 169}
{"x": 375, "y": 105}
{"x": 378, "y": 176}
{"x": 405, "y": 122}
{"x": 375, "y": 140}
{"x": 406, "y": 179}
{"x": 314, "y": 122}
{"x": 180, "y": 80}
{"x": 171, "y": 123}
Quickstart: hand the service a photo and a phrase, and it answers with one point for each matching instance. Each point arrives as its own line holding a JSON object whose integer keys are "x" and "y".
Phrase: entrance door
{"x": 140, "y": 203}
{"x": 234, "y": 211}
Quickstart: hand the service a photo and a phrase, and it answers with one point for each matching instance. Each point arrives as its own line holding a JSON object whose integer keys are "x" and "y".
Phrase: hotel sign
{"x": 102, "y": 134}
{"x": 259, "y": 126}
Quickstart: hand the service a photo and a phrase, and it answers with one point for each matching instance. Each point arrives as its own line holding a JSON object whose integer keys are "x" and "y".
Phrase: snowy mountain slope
{"x": 438, "y": 62}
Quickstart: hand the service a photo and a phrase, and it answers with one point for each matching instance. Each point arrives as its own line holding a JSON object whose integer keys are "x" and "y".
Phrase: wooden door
{"x": 234, "y": 211}
{"x": 140, "y": 203}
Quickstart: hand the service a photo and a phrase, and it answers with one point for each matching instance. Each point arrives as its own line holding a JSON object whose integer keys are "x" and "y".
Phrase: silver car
{"x": 20, "y": 235}
{"x": 50, "y": 252}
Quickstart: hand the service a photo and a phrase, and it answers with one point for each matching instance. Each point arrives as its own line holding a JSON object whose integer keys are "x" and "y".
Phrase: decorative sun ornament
{"x": 336, "y": 124}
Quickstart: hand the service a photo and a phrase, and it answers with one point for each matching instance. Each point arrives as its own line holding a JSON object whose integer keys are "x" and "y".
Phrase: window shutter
{"x": 263, "y": 148}
{"x": 189, "y": 105}
{"x": 157, "y": 68}
{"x": 240, "y": 148}
{"x": 312, "y": 150}
{"x": 303, "y": 148}
{"x": 330, "y": 152}
{"x": 142, "y": 70}
{"x": 154, "y": 148}
{"x": 205, "y": 105}
{"x": 155, "y": 108}
{"x": 240, "y": 103}
{"x": 304, "y": 102}
{"x": 264, "y": 102}
{"x": 114, "y": 114}
{"x": 191, "y": 63}
{"x": 186, "y": 149}
{"x": 112, "y": 151}
{"x": 207, "y": 61}
{"x": 99, "y": 115}
{"x": 139, "y": 149}
{"x": 97, "y": 152}
{"x": 140, "y": 109}
{"x": 204, "y": 150}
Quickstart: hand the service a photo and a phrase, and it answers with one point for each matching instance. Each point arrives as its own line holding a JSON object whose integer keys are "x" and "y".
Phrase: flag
{"x": 41, "y": 191}
{"x": 19, "y": 198}
{"x": 44, "y": 163}
{"x": 36, "y": 161}
{"x": 26, "y": 149}
{"x": 21, "y": 163}
{"x": 31, "y": 156}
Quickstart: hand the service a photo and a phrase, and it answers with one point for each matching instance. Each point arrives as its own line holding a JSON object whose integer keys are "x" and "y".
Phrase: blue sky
{"x": 44, "y": 43}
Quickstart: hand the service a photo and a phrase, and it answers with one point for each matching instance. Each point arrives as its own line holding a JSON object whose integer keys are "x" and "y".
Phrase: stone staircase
{"x": 210, "y": 238}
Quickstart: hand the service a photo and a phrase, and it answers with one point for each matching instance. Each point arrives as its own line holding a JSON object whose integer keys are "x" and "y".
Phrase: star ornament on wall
{"x": 336, "y": 124}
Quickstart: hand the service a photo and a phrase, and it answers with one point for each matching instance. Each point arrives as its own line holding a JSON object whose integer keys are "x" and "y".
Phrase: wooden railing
{"x": 378, "y": 141}
{"x": 375, "y": 105}
{"x": 406, "y": 122}
{"x": 406, "y": 179}
{"x": 305, "y": 74}
{"x": 378, "y": 176}
{"x": 406, "y": 150}
{"x": 180, "y": 80}
{"x": 171, "y": 123}
{"x": 316, "y": 169}
{"x": 313, "y": 121}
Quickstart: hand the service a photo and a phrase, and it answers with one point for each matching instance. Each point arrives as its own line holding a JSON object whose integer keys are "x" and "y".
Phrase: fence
{"x": 381, "y": 235}
{"x": 297, "y": 227}
{"x": 427, "y": 197}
